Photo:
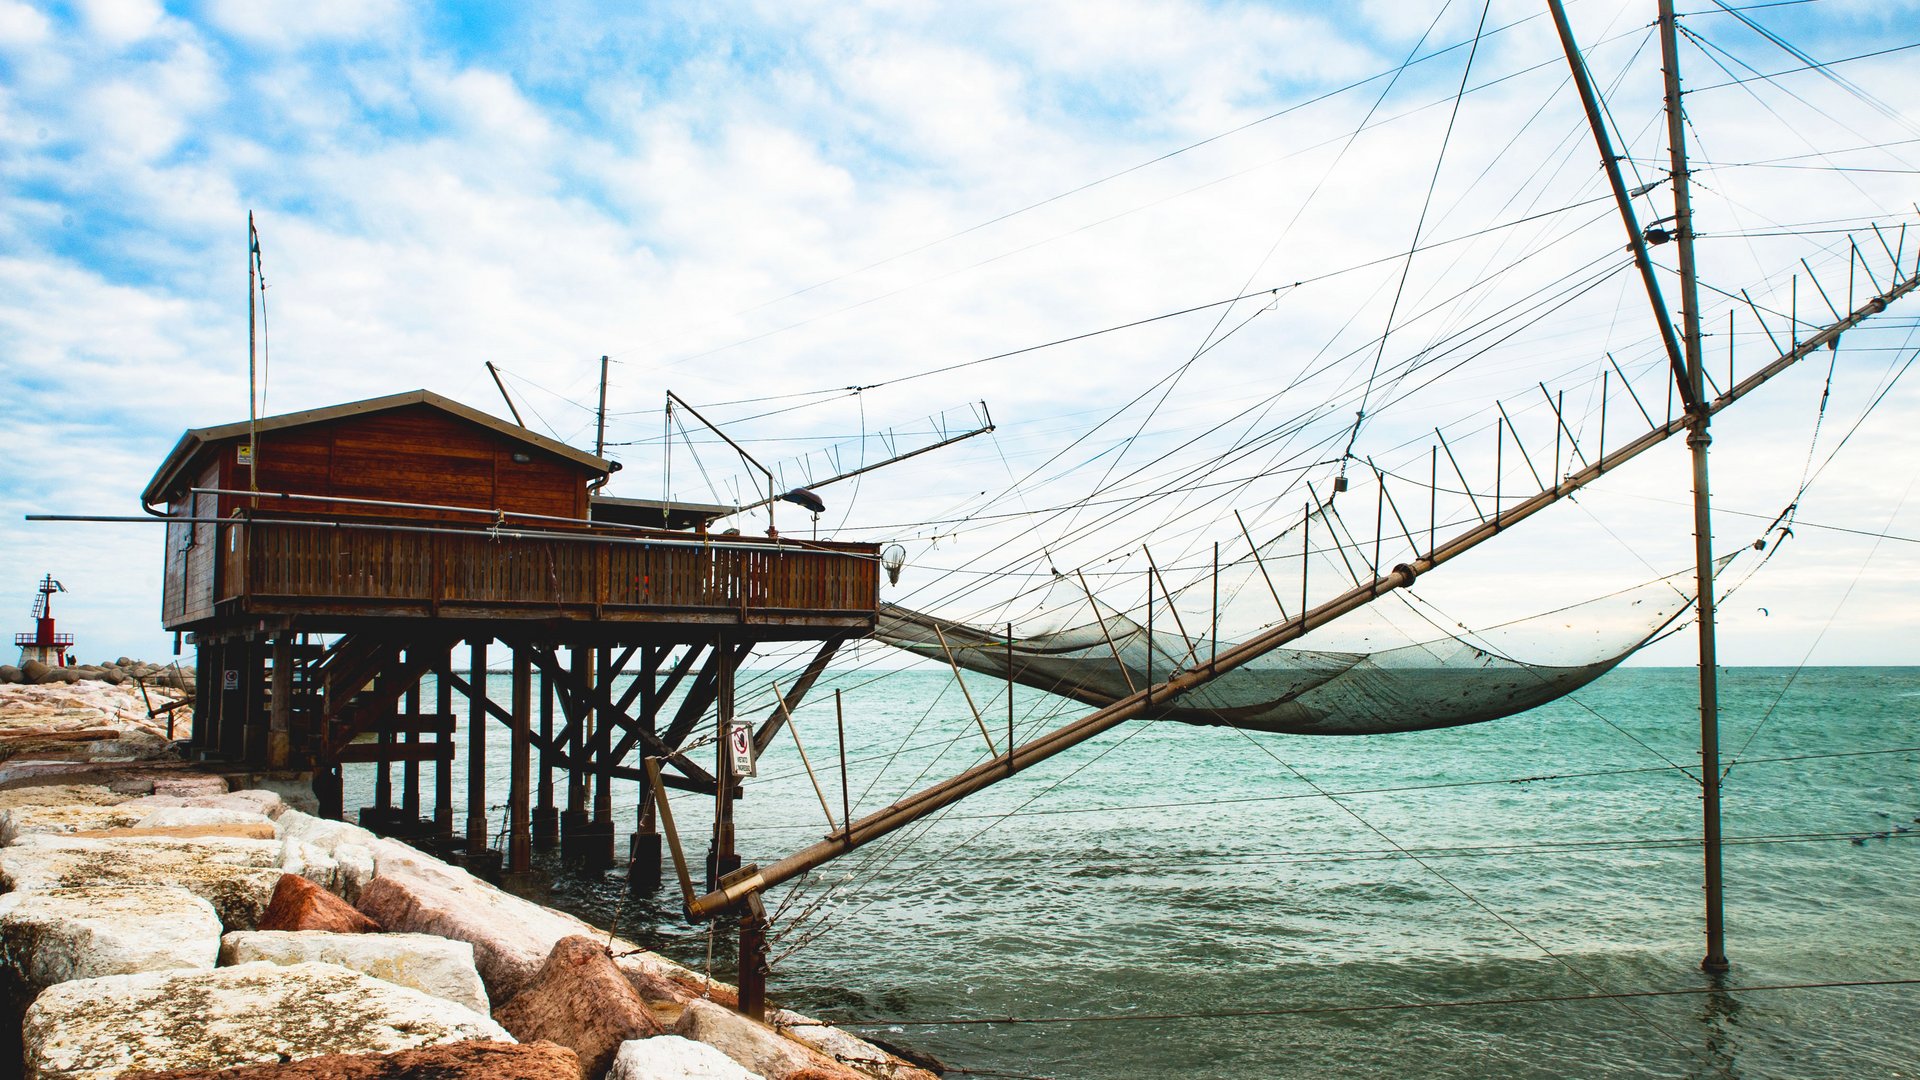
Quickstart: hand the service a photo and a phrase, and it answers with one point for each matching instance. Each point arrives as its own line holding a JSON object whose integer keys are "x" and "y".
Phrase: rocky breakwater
{"x": 121, "y": 672}
{"x": 153, "y": 924}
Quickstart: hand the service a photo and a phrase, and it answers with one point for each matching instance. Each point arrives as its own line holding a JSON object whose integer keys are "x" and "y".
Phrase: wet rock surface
{"x": 579, "y": 999}
{"x": 431, "y": 965}
{"x": 91, "y": 1029}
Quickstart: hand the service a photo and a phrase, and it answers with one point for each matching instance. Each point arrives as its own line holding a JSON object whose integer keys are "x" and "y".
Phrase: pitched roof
{"x": 195, "y": 439}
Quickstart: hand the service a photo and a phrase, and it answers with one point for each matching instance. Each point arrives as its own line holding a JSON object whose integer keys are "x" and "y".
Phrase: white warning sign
{"x": 740, "y": 747}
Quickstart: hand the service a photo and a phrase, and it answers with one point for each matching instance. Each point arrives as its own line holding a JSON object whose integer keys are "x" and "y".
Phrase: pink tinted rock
{"x": 299, "y": 904}
{"x": 579, "y": 999}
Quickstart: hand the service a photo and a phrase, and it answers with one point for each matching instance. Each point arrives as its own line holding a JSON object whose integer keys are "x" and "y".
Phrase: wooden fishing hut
{"x": 327, "y": 562}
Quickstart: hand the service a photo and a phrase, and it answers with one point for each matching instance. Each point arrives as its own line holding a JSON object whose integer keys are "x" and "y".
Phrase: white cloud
{"x": 21, "y": 27}
{"x": 754, "y": 208}
{"x": 291, "y": 23}
{"x": 122, "y": 22}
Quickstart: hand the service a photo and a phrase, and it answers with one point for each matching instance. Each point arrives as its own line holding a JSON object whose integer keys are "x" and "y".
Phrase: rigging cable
{"x": 1718, "y": 988}
{"x": 1426, "y": 203}
{"x": 1472, "y": 899}
{"x": 1858, "y": 574}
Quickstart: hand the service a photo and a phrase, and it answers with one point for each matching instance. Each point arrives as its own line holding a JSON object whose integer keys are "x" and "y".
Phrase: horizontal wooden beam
{"x": 362, "y": 752}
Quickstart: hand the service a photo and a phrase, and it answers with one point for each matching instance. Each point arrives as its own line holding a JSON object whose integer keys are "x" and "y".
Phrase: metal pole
{"x": 1636, "y": 240}
{"x": 1697, "y": 442}
{"x": 253, "y": 449}
{"x": 846, "y": 800}
{"x": 508, "y": 398}
{"x": 1009, "y": 699}
{"x": 600, "y": 424}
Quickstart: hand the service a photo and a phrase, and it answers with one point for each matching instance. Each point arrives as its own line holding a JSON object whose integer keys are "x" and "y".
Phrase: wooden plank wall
{"x": 416, "y": 454}
{"x": 198, "y": 580}
{"x": 291, "y": 561}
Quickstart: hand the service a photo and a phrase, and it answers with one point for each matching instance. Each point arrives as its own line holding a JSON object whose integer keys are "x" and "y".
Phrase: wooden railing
{"x": 293, "y": 561}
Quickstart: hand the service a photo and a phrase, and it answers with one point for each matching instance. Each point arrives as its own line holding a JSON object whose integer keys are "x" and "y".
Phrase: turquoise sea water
{"x": 1170, "y": 901}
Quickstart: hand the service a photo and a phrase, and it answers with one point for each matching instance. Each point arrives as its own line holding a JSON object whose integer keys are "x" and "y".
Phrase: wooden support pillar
{"x": 519, "y": 833}
{"x": 753, "y": 958}
{"x": 597, "y": 848}
{"x": 327, "y": 779}
{"x": 602, "y": 751}
{"x": 410, "y": 771}
{"x": 280, "y": 722}
{"x": 721, "y": 857}
{"x": 206, "y": 695}
{"x": 573, "y": 822}
{"x": 253, "y": 685}
{"x": 383, "y": 766}
{"x": 643, "y": 848}
{"x": 477, "y": 747}
{"x": 443, "y": 762}
{"x": 230, "y": 739}
{"x": 546, "y": 816}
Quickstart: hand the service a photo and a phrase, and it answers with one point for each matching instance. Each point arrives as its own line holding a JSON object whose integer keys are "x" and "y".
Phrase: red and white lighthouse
{"x": 44, "y": 644}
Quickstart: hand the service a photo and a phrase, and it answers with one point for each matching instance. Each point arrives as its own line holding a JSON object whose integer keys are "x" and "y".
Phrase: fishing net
{"x": 1075, "y": 645}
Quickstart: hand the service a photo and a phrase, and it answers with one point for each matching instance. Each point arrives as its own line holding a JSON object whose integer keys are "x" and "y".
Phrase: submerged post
{"x": 520, "y": 762}
{"x": 1697, "y": 442}
{"x": 477, "y": 747}
{"x": 546, "y": 816}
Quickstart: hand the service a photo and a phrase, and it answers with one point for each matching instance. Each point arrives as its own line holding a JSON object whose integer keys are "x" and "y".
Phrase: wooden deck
{"x": 281, "y": 568}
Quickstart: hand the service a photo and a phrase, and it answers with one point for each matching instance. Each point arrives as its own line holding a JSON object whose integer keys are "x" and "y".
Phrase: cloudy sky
{"x": 760, "y": 206}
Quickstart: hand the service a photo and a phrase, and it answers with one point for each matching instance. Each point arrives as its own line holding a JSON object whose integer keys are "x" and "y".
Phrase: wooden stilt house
{"x": 331, "y": 564}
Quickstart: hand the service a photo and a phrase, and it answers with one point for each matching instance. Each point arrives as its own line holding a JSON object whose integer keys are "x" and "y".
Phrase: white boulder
{"x": 167, "y": 817}
{"x": 93, "y": 1029}
{"x": 236, "y": 876}
{"x": 845, "y": 1048}
{"x": 250, "y": 800}
{"x": 61, "y": 795}
{"x": 341, "y": 871}
{"x": 332, "y": 854}
{"x": 756, "y": 1046}
{"x": 433, "y": 965}
{"x": 670, "y": 1057}
{"x": 90, "y": 931}
{"x": 511, "y": 937}
{"x": 19, "y": 821}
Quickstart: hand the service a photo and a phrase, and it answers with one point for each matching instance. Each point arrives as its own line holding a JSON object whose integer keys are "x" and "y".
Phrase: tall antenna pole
{"x": 1697, "y": 442}
{"x": 600, "y": 427}
{"x": 253, "y": 397}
